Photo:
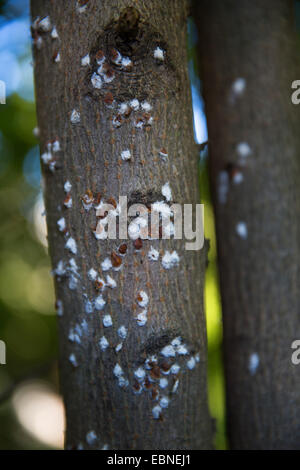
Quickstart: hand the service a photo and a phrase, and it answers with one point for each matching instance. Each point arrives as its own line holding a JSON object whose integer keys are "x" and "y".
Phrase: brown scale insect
{"x": 102, "y": 216}
{"x": 55, "y": 56}
{"x": 232, "y": 170}
{"x": 108, "y": 98}
{"x": 123, "y": 249}
{"x": 165, "y": 366}
{"x": 115, "y": 55}
{"x": 128, "y": 113}
{"x": 110, "y": 73}
{"x": 139, "y": 121}
{"x": 97, "y": 199}
{"x": 99, "y": 285}
{"x": 151, "y": 363}
{"x": 105, "y": 68}
{"x": 155, "y": 372}
{"x": 146, "y": 117}
{"x": 116, "y": 260}
{"x": 99, "y": 55}
{"x": 147, "y": 383}
{"x": 118, "y": 119}
{"x": 154, "y": 393}
{"x": 139, "y": 298}
{"x": 112, "y": 201}
{"x": 136, "y": 386}
{"x": 88, "y": 198}
{"x": 138, "y": 244}
{"x": 67, "y": 198}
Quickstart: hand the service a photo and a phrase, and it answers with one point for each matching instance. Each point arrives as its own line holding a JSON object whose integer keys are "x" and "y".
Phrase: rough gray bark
{"x": 90, "y": 158}
{"x": 259, "y": 270}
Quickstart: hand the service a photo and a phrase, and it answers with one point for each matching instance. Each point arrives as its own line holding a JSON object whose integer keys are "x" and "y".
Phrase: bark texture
{"x": 259, "y": 267}
{"x": 101, "y": 413}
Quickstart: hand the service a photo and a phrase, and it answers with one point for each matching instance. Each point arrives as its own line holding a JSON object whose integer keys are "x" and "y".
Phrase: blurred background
{"x": 31, "y": 409}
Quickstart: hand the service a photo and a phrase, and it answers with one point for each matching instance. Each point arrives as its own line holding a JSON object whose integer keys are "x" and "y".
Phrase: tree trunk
{"x": 249, "y": 57}
{"x": 109, "y": 403}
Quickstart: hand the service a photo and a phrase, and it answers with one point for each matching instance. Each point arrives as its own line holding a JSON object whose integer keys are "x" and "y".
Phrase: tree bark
{"x": 102, "y": 410}
{"x": 249, "y": 58}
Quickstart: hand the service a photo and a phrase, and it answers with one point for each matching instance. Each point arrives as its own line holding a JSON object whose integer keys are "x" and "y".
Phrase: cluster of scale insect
{"x": 158, "y": 375}
{"x": 234, "y": 173}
